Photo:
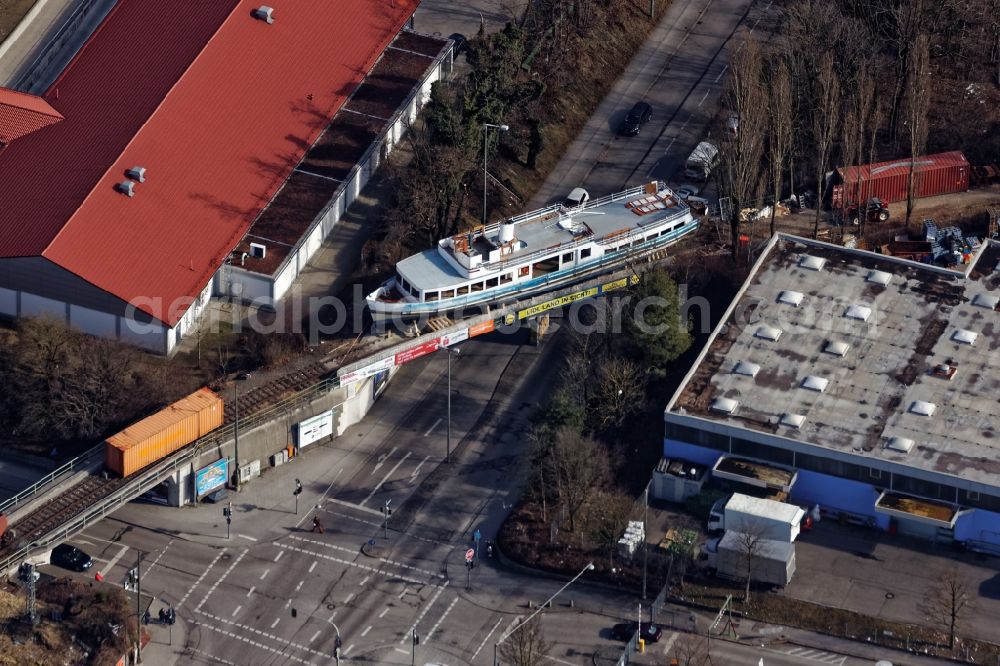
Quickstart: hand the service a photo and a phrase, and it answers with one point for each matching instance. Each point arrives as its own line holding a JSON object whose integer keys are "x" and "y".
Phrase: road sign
{"x": 476, "y": 536}
{"x": 469, "y": 554}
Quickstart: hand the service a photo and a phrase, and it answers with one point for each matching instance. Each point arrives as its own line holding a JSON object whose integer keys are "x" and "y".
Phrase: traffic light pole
{"x": 337, "y": 644}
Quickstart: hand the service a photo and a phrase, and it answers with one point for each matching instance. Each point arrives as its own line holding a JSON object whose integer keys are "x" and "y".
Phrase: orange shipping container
{"x": 157, "y": 436}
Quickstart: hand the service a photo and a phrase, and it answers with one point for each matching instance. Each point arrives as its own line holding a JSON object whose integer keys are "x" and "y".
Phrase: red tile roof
{"x": 21, "y": 113}
{"x": 217, "y": 105}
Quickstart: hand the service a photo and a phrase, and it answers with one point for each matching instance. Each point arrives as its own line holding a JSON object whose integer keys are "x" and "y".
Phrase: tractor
{"x": 875, "y": 211}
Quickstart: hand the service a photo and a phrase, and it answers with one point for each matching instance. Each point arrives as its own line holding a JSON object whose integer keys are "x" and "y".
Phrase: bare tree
{"x": 607, "y": 517}
{"x": 691, "y": 650}
{"x": 780, "y": 126}
{"x": 918, "y": 100}
{"x": 580, "y": 464}
{"x": 825, "y": 112}
{"x": 860, "y": 116}
{"x": 740, "y": 172}
{"x": 620, "y": 392}
{"x": 750, "y": 543}
{"x": 526, "y": 646}
{"x": 948, "y": 602}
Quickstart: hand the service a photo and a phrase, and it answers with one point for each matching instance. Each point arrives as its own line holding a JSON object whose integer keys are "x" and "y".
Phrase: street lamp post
{"x": 450, "y": 351}
{"x": 496, "y": 646}
{"x": 486, "y": 134}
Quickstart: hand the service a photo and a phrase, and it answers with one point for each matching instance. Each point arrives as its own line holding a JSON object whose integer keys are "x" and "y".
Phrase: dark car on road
{"x": 71, "y": 557}
{"x": 624, "y": 630}
{"x": 636, "y": 118}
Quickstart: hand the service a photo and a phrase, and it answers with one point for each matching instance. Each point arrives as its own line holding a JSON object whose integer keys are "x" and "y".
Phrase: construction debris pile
{"x": 948, "y": 246}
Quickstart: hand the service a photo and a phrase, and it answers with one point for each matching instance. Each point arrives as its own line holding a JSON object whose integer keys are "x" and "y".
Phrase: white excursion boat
{"x": 533, "y": 253}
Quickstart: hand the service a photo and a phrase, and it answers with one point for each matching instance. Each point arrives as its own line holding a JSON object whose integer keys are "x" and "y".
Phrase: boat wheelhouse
{"x": 533, "y": 253}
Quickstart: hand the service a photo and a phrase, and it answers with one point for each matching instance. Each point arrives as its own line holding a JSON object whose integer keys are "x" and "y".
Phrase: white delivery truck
{"x": 765, "y": 518}
{"x": 772, "y": 562}
{"x": 701, "y": 162}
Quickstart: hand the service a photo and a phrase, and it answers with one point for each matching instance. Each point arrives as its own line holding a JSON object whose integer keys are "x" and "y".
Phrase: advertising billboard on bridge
{"x": 211, "y": 478}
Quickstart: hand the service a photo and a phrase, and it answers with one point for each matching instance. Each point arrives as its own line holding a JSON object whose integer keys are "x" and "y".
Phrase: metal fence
{"x": 67, "y": 469}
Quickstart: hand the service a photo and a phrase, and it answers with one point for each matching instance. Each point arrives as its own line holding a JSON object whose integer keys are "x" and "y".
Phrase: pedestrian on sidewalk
{"x": 317, "y": 526}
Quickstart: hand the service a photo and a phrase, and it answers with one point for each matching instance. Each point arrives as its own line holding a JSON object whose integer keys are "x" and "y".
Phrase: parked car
{"x": 71, "y": 557}
{"x": 624, "y": 630}
{"x": 636, "y": 118}
{"x": 687, "y": 190}
{"x": 460, "y": 43}
{"x": 576, "y": 198}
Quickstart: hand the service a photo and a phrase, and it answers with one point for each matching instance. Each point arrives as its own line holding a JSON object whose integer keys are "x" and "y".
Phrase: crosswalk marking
{"x": 817, "y": 655}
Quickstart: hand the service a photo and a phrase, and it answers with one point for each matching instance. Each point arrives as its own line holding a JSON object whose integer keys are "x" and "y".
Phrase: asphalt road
{"x": 680, "y": 72}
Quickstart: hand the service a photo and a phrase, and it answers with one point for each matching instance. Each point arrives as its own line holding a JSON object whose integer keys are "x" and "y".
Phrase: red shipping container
{"x": 942, "y": 173}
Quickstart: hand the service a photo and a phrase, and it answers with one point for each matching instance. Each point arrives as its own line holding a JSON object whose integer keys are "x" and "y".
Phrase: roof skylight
{"x": 724, "y": 405}
{"x": 768, "y": 333}
{"x": 811, "y": 262}
{"x": 964, "y": 336}
{"x": 859, "y": 312}
{"x": 836, "y": 348}
{"x": 879, "y": 277}
{"x": 901, "y": 444}
{"x": 922, "y": 408}
{"x": 790, "y": 297}
{"x": 792, "y": 420}
{"x": 746, "y": 368}
{"x": 986, "y": 301}
{"x": 815, "y": 383}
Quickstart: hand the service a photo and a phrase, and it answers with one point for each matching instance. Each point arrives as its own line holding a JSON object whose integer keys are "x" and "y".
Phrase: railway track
{"x": 60, "y": 510}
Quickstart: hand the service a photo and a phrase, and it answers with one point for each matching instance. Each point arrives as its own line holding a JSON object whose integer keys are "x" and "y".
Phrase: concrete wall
{"x": 350, "y": 405}
{"x": 840, "y": 494}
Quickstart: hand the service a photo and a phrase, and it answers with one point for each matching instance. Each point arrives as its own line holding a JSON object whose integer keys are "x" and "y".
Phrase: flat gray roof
{"x": 877, "y": 388}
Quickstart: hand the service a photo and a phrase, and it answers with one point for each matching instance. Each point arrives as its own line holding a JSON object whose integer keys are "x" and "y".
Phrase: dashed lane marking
{"x": 385, "y": 478}
{"x": 278, "y": 556}
{"x": 420, "y": 617}
{"x": 238, "y": 608}
{"x": 354, "y": 551}
{"x": 364, "y": 581}
{"x": 401, "y": 651}
{"x": 358, "y": 507}
{"x": 356, "y": 565}
{"x": 669, "y": 643}
{"x": 238, "y": 637}
{"x": 247, "y": 537}
{"x": 315, "y": 636}
{"x": 250, "y": 591}
{"x": 201, "y": 577}
{"x": 264, "y": 575}
{"x": 350, "y": 596}
{"x": 722, "y": 73}
{"x": 349, "y": 648}
{"x": 275, "y": 623}
{"x": 221, "y": 578}
{"x": 441, "y": 619}
{"x": 431, "y": 429}
{"x": 114, "y": 560}
{"x": 382, "y": 614}
{"x": 365, "y": 632}
{"x": 213, "y": 657}
{"x": 150, "y": 567}
{"x": 559, "y": 661}
{"x": 415, "y": 472}
{"x": 313, "y": 566}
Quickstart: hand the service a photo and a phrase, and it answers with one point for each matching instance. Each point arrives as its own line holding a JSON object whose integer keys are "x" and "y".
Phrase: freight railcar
{"x": 158, "y": 435}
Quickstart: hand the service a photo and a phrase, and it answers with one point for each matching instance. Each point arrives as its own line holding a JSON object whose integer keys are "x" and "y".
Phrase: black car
{"x": 623, "y": 632}
{"x": 636, "y": 118}
{"x": 71, "y": 557}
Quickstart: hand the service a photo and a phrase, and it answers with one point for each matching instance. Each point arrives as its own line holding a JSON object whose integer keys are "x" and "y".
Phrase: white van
{"x": 702, "y": 160}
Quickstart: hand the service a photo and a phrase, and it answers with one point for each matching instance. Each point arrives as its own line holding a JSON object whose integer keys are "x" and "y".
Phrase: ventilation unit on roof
{"x": 836, "y": 348}
{"x": 790, "y": 297}
{"x": 746, "y": 368}
{"x": 264, "y": 13}
{"x": 964, "y": 336}
{"x": 879, "y": 277}
{"x": 859, "y": 312}
{"x": 768, "y": 333}
{"x": 814, "y": 383}
{"x": 901, "y": 444}
{"x": 944, "y": 371}
{"x": 137, "y": 173}
{"x": 922, "y": 408}
{"x": 792, "y": 420}
{"x": 126, "y": 187}
{"x": 986, "y": 301}
{"x": 258, "y": 251}
{"x": 811, "y": 262}
{"x": 724, "y": 405}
